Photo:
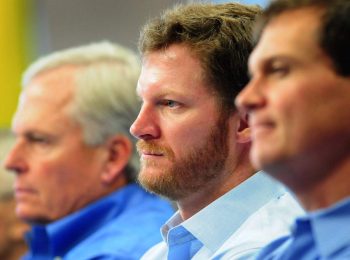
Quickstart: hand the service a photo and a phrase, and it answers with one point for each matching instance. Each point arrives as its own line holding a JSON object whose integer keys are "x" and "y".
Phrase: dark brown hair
{"x": 334, "y": 32}
{"x": 219, "y": 35}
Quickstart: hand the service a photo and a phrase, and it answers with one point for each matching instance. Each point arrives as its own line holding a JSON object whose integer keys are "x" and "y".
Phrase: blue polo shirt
{"x": 323, "y": 234}
{"x": 122, "y": 225}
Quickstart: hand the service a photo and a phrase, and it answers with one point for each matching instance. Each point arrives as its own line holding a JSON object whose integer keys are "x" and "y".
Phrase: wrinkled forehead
{"x": 55, "y": 85}
{"x": 173, "y": 67}
{"x": 46, "y": 97}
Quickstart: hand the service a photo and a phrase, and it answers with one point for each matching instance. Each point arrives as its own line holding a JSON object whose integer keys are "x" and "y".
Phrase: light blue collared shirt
{"x": 234, "y": 226}
{"x": 323, "y": 234}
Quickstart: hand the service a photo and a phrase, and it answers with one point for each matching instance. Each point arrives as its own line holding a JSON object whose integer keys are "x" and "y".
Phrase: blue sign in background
{"x": 258, "y": 2}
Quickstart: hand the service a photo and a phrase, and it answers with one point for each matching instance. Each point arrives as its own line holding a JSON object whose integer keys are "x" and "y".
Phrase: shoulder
{"x": 273, "y": 249}
{"x": 159, "y": 252}
{"x": 273, "y": 220}
{"x": 141, "y": 200}
{"x": 128, "y": 235}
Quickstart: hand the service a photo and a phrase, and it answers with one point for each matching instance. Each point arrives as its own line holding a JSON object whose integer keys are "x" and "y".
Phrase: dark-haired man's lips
{"x": 260, "y": 128}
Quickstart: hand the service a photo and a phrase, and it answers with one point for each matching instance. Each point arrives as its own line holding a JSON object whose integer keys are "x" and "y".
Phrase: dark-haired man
{"x": 298, "y": 102}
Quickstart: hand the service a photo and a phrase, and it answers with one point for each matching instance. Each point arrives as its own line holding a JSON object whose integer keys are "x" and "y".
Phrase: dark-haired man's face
{"x": 298, "y": 105}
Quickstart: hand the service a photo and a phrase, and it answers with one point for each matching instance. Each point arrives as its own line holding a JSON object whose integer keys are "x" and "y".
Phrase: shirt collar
{"x": 326, "y": 222}
{"x": 174, "y": 221}
{"x": 216, "y": 222}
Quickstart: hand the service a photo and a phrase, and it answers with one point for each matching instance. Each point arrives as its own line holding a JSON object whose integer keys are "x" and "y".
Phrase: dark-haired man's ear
{"x": 119, "y": 148}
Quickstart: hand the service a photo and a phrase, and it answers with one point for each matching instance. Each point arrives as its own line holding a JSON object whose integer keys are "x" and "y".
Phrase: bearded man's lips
{"x": 151, "y": 150}
{"x": 147, "y": 154}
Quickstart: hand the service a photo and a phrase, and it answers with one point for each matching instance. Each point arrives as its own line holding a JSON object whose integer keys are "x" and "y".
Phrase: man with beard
{"x": 194, "y": 145}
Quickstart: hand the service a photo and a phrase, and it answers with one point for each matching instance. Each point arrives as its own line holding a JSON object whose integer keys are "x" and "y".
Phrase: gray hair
{"x": 105, "y": 102}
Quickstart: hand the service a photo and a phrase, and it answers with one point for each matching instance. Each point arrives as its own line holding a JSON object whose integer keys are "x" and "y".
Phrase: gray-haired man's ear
{"x": 119, "y": 148}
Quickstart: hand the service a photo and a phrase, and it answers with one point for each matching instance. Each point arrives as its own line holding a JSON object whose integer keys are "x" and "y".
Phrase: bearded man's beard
{"x": 192, "y": 171}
